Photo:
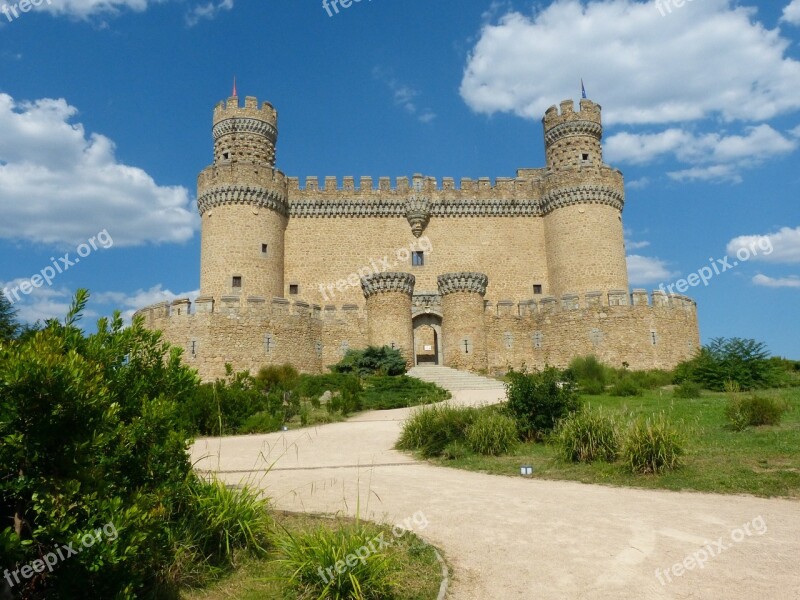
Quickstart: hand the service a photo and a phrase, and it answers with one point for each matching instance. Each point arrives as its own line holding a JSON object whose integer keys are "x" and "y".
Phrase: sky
{"x": 105, "y": 122}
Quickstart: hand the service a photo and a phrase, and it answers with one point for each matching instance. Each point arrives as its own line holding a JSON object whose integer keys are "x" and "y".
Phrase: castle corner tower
{"x": 243, "y": 203}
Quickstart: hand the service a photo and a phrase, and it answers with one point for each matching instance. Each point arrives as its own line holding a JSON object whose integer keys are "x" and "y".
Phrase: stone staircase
{"x": 453, "y": 380}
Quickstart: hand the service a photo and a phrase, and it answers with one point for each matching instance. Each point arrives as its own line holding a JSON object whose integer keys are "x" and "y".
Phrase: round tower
{"x": 582, "y": 204}
{"x": 388, "y": 297}
{"x": 463, "y": 329}
{"x": 243, "y": 204}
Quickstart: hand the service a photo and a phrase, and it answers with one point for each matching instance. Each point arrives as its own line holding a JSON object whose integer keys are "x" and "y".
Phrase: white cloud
{"x": 404, "y": 96}
{"x": 707, "y": 58}
{"x": 782, "y": 247}
{"x": 795, "y": 132}
{"x": 791, "y": 14}
{"x": 130, "y": 303}
{"x": 60, "y": 185}
{"x": 83, "y": 9}
{"x": 643, "y": 270}
{"x": 793, "y": 281}
{"x": 715, "y": 156}
{"x": 207, "y": 11}
{"x": 41, "y": 303}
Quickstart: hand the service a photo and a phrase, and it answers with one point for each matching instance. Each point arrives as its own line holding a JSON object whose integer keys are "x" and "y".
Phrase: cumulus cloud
{"x": 644, "y": 270}
{"x": 705, "y": 59}
{"x": 782, "y": 247}
{"x": 793, "y": 281}
{"x": 83, "y": 9}
{"x": 207, "y": 11}
{"x": 791, "y": 14}
{"x": 714, "y": 155}
{"x": 60, "y": 185}
{"x": 41, "y": 303}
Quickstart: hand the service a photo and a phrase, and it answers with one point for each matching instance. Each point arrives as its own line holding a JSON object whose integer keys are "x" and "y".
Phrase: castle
{"x": 479, "y": 276}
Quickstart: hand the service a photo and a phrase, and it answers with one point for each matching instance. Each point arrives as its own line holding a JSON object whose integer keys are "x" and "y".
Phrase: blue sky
{"x": 105, "y": 110}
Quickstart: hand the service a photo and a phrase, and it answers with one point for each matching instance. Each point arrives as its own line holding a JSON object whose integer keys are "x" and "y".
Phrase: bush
{"x": 652, "y": 445}
{"x": 432, "y": 428}
{"x": 537, "y": 401}
{"x": 383, "y": 393}
{"x": 626, "y": 387}
{"x": 309, "y": 560}
{"x": 745, "y": 362}
{"x": 372, "y": 361}
{"x": 261, "y": 422}
{"x": 492, "y": 434}
{"x": 688, "y": 390}
{"x": 590, "y": 374}
{"x": 587, "y": 437}
{"x": 754, "y": 411}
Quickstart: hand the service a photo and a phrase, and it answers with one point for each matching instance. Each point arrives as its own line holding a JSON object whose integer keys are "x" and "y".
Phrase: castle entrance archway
{"x": 428, "y": 339}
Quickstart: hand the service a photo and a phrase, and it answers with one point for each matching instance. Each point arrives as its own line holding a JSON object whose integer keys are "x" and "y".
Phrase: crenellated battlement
{"x": 253, "y": 306}
{"x": 588, "y": 112}
{"x": 232, "y": 109}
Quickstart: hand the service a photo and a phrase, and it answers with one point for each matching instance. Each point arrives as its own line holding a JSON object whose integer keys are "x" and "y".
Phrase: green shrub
{"x": 688, "y": 390}
{"x": 261, "y": 422}
{"x": 383, "y": 392}
{"x": 278, "y": 377}
{"x": 372, "y": 361}
{"x": 431, "y": 428}
{"x": 590, "y": 374}
{"x": 652, "y": 445}
{"x": 456, "y": 450}
{"x": 492, "y": 434}
{"x": 309, "y": 561}
{"x": 588, "y": 436}
{"x": 537, "y": 401}
{"x": 746, "y": 362}
{"x": 626, "y": 387}
{"x": 754, "y": 410}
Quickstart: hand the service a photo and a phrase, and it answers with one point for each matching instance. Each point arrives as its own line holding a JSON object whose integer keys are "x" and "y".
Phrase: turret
{"x": 582, "y": 204}
{"x": 243, "y": 203}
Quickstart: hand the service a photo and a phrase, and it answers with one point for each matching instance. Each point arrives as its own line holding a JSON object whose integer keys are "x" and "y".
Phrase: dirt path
{"x": 508, "y": 538}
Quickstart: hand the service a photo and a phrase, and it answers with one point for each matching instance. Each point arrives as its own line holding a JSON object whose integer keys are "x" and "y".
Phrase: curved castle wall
{"x": 388, "y": 298}
{"x": 463, "y": 327}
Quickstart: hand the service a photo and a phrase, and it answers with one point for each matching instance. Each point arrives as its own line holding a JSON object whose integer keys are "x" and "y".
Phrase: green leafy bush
{"x": 626, "y": 387}
{"x": 383, "y": 392}
{"x": 372, "y": 361}
{"x": 688, "y": 390}
{"x": 537, "y": 401}
{"x": 432, "y": 428}
{"x": 744, "y": 361}
{"x": 492, "y": 433}
{"x": 90, "y": 436}
{"x": 754, "y": 410}
{"x": 310, "y": 560}
{"x": 590, "y": 374}
{"x": 588, "y": 436}
{"x": 653, "y": 445}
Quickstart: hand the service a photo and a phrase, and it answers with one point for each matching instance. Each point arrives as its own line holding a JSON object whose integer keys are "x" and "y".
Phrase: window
{"x": 264, "y": 249}
{"x": 225, "y": 156}
{"x": 654, "y": 338}
{"x": 236, "y": 282}
{"x": 537, "y": 289}
{"x": 294, "y": 289}
{"x": 418, "y": 259}
{"x": 585, "y": 157}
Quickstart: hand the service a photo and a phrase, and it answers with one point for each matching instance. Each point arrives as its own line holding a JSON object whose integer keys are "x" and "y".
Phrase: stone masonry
{"x": 478, "y": 275}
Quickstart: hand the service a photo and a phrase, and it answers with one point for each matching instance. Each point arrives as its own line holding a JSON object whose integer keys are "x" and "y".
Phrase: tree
{"x": 9, "y": 327}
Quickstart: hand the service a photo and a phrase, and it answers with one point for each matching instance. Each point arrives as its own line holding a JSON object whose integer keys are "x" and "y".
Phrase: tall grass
{"x": 588, "y": 436}
{"x": 492, "y": 434}
{"x": 432, "y": 428}
{"x": 653, "y": 445}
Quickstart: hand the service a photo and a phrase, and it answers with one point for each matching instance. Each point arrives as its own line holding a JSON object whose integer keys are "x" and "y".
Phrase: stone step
{"x": 454, "y": 380}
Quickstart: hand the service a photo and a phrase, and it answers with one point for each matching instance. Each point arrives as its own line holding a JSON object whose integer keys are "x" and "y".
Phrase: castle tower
{"x": 388, "y": 298}
{"x": 243, "y": 204}
{"x": 463, "y": 328}
{"x": 582, "y": 203}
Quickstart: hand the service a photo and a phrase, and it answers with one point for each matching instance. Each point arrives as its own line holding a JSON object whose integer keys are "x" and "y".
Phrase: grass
{"x": 418, "y": 572}
{"x": 764, "y": 461}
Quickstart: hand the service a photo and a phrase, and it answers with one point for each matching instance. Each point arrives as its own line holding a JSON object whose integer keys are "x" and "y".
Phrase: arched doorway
{"x": 428, "y": 339}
